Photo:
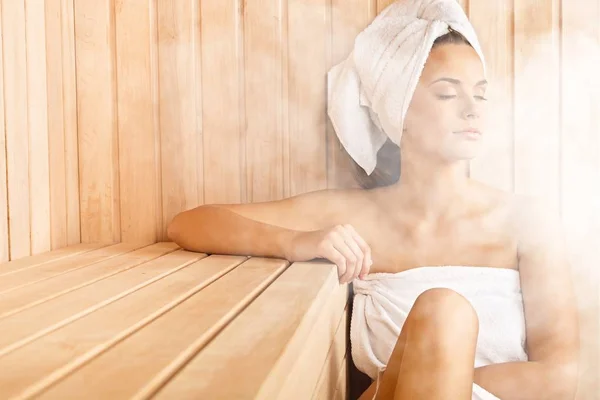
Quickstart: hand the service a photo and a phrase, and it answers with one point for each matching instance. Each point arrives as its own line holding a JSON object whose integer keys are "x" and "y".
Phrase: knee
{"x": 446, "y": 314}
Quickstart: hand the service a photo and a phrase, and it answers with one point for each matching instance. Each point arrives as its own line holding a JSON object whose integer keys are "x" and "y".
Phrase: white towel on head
{"x": 382, "y": 302}
{"x": 369, "y": 93}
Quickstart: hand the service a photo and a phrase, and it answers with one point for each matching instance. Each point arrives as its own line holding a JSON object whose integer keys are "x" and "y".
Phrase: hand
{"x": 341, "y": 245}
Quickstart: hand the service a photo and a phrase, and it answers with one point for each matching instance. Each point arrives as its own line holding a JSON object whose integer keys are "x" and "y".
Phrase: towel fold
{"x": 369, "y": 93}
{"x": 382, "y": 302}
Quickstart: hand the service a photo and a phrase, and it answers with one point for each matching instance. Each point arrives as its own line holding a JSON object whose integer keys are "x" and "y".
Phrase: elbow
{"x": 174, "y": 230}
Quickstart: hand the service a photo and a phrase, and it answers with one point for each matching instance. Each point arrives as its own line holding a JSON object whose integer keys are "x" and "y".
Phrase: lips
{"x": 469, "y": 134}
{"x": 470, "y": 130}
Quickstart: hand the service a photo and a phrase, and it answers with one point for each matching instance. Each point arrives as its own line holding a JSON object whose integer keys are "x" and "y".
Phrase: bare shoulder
{"x": 538, "y": 226}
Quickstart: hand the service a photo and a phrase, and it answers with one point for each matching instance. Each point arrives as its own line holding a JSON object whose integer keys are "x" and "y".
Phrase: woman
{"x": 429, "y": 215}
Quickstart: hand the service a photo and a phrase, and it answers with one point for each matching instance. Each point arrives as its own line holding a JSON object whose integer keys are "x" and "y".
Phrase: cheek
{"x": 434, "y": 117}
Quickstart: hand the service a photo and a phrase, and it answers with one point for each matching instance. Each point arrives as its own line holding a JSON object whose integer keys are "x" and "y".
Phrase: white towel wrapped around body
{"x": 382, "y": 302}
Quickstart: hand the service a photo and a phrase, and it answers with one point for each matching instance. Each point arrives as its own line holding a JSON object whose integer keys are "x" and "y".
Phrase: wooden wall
{"x": 116, "y": 115}
{"x": 39, "y": 190}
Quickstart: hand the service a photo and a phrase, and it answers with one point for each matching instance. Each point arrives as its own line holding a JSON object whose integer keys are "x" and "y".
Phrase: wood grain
{"x": 334, "y": 365}
{"x": 70, "y": 123}
{"x": 80, "y": 341}
{"x": 178, "y": 28}
{"x": 139, "y": 269}
{"x": 222, "y": 113}
{"x": 15, "y": 119}
{"x": 97, "y": 121}
{"x": 308, "y": 60}
{"x": 37, "y": 113}
{"x": 35, "y": 260}
{"x": 43, "y": 272}
{"x": 4, "y": 238}
{"x": 259, "y": 356}
{"x": 303, "y": 378}
{"x": 56, "y": 125}
{"x": 211, "y": 310}
{"x": 137, "y": 160}
{"x": 263, "y": 50}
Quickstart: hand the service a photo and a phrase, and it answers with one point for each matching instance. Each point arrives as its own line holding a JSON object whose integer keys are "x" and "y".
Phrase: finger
{"x": 358, "y": 253}
{"x": 338, "y": 259}
{"x": 342, "y": 247}
{"x": 368, "y": 261}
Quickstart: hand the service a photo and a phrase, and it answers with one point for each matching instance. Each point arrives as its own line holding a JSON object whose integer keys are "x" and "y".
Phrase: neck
{"x": 432, "y": 190}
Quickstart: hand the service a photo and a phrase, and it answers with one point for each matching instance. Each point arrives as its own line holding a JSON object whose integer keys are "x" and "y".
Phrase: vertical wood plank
{"x": 39, "y": 174}
{"x": 98, "y": 142}
{"x": 177, "y": 33}
{"x": 348, "y": 19}
{"x": 56, "y": 126}
{"x": 161, "y": 234}
{"x": 308, "y": 47}
{"x": 285, "y": 96}
{"x": 70, "y": 123}
{"x": 580, "y": 171}
{"x": 263, "y": 80}
{"x": 537, "y": 151}
{"x": 17, "y": 138}
{"x": 493, "y": 23}
{"x": 4, "y": 239}
{"x": 136, "y": 121}
{"x": 222, "y": 118}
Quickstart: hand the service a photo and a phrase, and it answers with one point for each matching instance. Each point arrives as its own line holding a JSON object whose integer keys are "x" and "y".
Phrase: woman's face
{"x": 448, "y": 102}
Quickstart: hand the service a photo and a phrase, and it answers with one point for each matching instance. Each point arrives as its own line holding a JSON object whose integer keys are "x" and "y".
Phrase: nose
{"x": 471, "y": 110}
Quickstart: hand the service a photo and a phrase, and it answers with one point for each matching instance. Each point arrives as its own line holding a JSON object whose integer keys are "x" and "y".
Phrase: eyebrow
{"x": 457, "y": 82}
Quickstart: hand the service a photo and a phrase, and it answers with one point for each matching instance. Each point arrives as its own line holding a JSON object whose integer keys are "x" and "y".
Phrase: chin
{"x": 462, "y": 155}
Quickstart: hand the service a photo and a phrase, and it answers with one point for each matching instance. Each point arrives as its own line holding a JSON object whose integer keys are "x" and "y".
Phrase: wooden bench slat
{"x": 50, "y": 256}
{"x": 45, "y": 271}
{"x": 28, "y": 296}
{"x": 162, "y": 345}
{"x": 25, "y": 326}
{"x": 300, "y": 381}
{"x": 332, "y": 368}
{"x": 341, "y": 392}
{"x": 252, "y": 355}
{"x": 32, "y": 367}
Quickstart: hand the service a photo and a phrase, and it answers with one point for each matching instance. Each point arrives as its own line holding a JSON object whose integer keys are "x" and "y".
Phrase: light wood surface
{"x": 117, "y": 115}
{"x": 334, "y": 370}
{"x": 140, "y": 318}
{"x": 259, "y": 356}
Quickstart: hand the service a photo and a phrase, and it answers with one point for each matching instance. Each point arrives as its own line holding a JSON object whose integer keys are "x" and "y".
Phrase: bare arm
{"x": 550, "y": 316}
{"x": 256, "y": 229}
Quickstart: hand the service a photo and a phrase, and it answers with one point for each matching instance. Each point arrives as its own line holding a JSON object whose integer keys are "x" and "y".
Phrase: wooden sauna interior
{"x": 116, "y": 115}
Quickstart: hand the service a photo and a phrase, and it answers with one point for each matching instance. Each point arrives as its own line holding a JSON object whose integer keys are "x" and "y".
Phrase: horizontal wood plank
{"x": 33, "y": 367}
{"x": 29, "y": 324}
{"x": 42, "y": 272}
{"x": 334, "y": 364}
{"x": 252, "y": 359}
{"x": 44, "y": 258}
{"x": 302, "y": 379}
{"x": 155, "y": 351}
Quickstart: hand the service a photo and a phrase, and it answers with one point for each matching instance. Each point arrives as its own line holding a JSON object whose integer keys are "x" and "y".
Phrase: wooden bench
{"x": 141, "y": 321}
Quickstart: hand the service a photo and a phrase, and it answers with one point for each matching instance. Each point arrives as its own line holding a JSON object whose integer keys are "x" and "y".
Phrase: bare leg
{"x": 434, "y": 355}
